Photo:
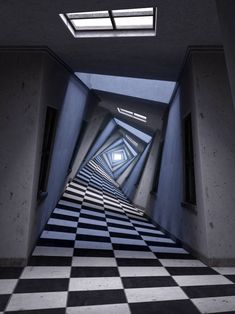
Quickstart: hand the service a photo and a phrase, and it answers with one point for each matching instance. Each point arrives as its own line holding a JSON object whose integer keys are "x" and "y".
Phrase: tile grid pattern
{"x": 99, "y": 254}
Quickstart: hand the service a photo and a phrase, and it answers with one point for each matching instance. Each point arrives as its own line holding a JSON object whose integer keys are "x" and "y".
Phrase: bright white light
{"x": 131, "y": 114}
{"x": 92, "y": 24}
{"x": 134, "y": 22}
{"x": 117, "y": 156}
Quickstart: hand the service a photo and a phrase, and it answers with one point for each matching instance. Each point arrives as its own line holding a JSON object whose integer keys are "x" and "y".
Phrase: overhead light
{"x": 133, "y": 115}
{"x": 109, "y": 23}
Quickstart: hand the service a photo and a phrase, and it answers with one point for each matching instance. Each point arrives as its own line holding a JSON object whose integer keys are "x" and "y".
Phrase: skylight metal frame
{"x": 68, "y": 19}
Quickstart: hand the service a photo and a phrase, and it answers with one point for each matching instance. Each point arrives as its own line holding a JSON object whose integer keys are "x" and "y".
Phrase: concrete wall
{"x": 209, "y": 228}
{"x": 146, "y": 182}
{"x": 94, "y": 125}
{"x": 64, "y": 92}
{"x": 29, "y": 82}
{"x": 20, "y": 82}
{"x": 129, "y": 187}
{"x": 226, "y": 11}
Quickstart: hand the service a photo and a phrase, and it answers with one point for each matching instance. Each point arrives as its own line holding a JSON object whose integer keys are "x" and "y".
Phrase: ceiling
{"x": 181, "y": 23}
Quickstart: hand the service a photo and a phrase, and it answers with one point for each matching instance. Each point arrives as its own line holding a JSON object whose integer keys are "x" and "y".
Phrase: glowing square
{"x": 117, "y": 156}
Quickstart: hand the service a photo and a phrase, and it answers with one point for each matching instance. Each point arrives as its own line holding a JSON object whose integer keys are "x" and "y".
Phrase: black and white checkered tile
{"x": 98, "y": 254}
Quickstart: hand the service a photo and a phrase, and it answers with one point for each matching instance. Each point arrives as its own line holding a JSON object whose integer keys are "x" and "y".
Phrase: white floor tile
{"x": 127, "y": 241}
{"x": 78, "y": 192}
{"x": 34, "y": 272}
{"x": 100, "y": 309}
{"x": 62, "y": 222}
{"x": 148, "y": 230}
{"x": 93, "y": 232}
{"x": 73, "y": 197}
{"x": 155, "y": 294}
{"x": 58, "y": 235}
{"x": 93, "y": 245}
{"x": 7, "y": 285}
{"x": 122, "y": 230}
{"x": 147, "y": 224}
{"x": 94, "y": 194}
{"x": 133, "y": 254}
{"x": 33, "y": 301}
{"x": 97, "y": 283}
{"x": 119, "y": 210}
{"x": 89, "y": 205}
{"x": 142, "y": 271}
{"x": 92, "y": 221}
{"x": 181, "y": 263}
{"x": 52, "y": 251}
{"x": 82, "y": 261}
{"x": 225, "y": 270}
{"x": 201, "y": 280}
{"x": 165, "y": 249}
{"x": 66, "y": 212}
{"x": 215, "y": 304}
{"x": 92, "y": 199}
{"x": 157, "y": 239}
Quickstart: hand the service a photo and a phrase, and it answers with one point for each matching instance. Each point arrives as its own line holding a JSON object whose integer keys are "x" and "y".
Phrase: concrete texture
{"x": 20, "y": 83}
{"x": 209, "y": 229}
{"x": 28, "y": 85}
{"x": 146, "y": 182}
{"x": 94, "y": 125}
{"x": 65, "y": 93}
{"x": 226, "y": 11}
{"x": 186, "y": 23}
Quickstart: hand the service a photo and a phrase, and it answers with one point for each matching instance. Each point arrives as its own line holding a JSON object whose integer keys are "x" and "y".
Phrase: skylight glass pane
{"x": 92, "y": 24}
{"x": 117, "y": 156}
{"x": 133, "y": 12}
{"x": 140, "y": 116}
{"x": 90, "y": 14}
{"x": 134, "y": 22}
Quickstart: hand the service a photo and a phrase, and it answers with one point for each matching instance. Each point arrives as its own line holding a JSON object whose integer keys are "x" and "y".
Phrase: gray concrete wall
{"x": 64, "y": 92}
{"x": 20, "y": 83}
{"x": 226, "y": 11}
{"x": 146, "y": 182}
{"x": 94, "y": 125}
{"x": 129, "y": 187}
{"x": 209, "y": 228}
{"x": 30, "y": 82}
{"x": 215, "y": 117}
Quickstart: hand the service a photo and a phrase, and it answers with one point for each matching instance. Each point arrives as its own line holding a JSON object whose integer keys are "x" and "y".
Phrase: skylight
{"x": 133, "y": 115}
{"x": 117, "y": 156}
{"x": 108, "y": 23}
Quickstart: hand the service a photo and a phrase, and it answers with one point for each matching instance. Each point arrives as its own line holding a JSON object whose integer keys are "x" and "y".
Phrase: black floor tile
{"x": 209, "y": 291}
{"x": 97, "y": 297}
{"x": 42, "y": 285}
{"x": 94, "y": 272}
{"x": 146, "y": 282}
{"x": 164, "y": 307}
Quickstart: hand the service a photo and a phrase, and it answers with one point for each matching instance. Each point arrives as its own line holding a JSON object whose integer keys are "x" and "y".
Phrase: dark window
{"x": 47, "y": 148}
{"x": 189, "y": 175}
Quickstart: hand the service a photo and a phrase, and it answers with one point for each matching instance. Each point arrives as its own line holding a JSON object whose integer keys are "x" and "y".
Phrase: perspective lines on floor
{"x": 100, "y": 255}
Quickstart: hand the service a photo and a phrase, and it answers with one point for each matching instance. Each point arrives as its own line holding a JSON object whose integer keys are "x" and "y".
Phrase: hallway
{"x": 99, "y": 254}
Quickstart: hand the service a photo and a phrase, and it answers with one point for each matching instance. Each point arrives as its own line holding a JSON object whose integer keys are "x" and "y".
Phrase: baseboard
{"x": 13, "y": 262}
{"x": 211, "y": 262}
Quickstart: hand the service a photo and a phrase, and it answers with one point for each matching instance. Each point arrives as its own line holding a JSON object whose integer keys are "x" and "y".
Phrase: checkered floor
{"x": 98, "y": 254}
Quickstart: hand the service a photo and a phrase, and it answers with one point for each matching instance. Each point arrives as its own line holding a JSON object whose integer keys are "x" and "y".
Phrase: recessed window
{"x": 133, "y": 115}
{"x": 125, "y": 22}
